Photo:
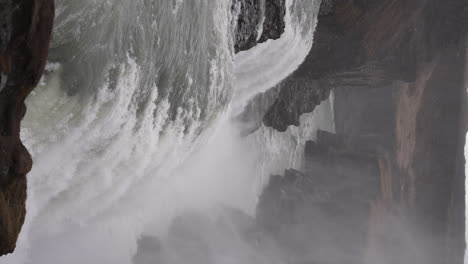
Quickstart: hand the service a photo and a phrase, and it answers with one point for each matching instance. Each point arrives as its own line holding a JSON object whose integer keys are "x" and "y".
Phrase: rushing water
{"x": 131, "y": 124}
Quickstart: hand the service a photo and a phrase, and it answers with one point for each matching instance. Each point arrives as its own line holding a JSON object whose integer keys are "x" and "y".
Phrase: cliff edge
{"x": 25, "y": 30}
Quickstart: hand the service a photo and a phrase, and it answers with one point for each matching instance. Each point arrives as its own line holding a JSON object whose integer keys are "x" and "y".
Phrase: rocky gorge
{"x": 397, "y": 70}
{"x": 386, "y": 187}
{"x": 25, "y": 35}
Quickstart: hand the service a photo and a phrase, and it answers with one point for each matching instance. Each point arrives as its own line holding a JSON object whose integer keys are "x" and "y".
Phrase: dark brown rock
{"x": 25, "y": 30}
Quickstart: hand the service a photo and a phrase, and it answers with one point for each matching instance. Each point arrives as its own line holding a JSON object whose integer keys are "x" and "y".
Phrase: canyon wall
{"x": 397, "y": 71}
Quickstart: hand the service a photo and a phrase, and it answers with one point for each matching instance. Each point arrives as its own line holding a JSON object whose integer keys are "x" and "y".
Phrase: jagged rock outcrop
{"x": 256, "y": 16}
{"x": 320, "y": 214}
{"x": 414, "y": 134}
{"x": 25, "y": 30}
{"x": 273, "y": 24}
{"x": 363, "y": 43}
{"x": 398, "y": 70}
{"x": 249, "y": 18}
{"x": 288, "y": 107}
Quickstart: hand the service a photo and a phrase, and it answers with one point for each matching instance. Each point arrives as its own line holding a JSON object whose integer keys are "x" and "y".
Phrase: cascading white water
{"x": 261, "y": 67}
{"x": 131, "y": 124}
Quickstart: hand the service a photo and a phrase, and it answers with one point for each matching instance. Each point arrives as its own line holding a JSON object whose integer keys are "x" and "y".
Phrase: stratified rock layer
{"x": 25, "y": 29}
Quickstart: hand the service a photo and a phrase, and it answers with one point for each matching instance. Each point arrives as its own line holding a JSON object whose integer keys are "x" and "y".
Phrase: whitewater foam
{"x": 119, "y": 156}
{"x": 277, "y": 59}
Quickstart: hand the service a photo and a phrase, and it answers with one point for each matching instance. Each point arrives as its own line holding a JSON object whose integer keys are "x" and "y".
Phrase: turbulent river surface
{"x": 132, "y": 126}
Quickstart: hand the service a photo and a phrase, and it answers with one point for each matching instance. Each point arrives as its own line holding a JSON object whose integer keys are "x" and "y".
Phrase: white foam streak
{"x": 277, "y": 59}
{"x": 109, "y": 168}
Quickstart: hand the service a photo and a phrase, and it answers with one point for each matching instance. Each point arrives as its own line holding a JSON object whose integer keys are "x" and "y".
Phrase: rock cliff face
{"x": 25, "y": 29}
{"x": 258, "y": 21}
{"x": 398, "y": 71}
{"x": 364, "y": 44}
{"x": 320, "y": 214}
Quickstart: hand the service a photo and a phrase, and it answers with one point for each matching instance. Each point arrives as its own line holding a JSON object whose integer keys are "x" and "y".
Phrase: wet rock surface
{"x": 368, "y": 44}
{"x": 258, "y": 21}
{"x": 25, "y": 29}
{"x": 273, "y": 24}
{"x": 397, "y": 70}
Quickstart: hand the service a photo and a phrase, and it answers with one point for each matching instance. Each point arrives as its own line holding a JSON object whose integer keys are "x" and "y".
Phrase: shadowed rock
{"x": 398, "y": 70}
{"x": 25, "y": 29}
{"x": 254, "y": 15}
{"x": 363, "y": 43}
{"x": 320, "y": 214}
